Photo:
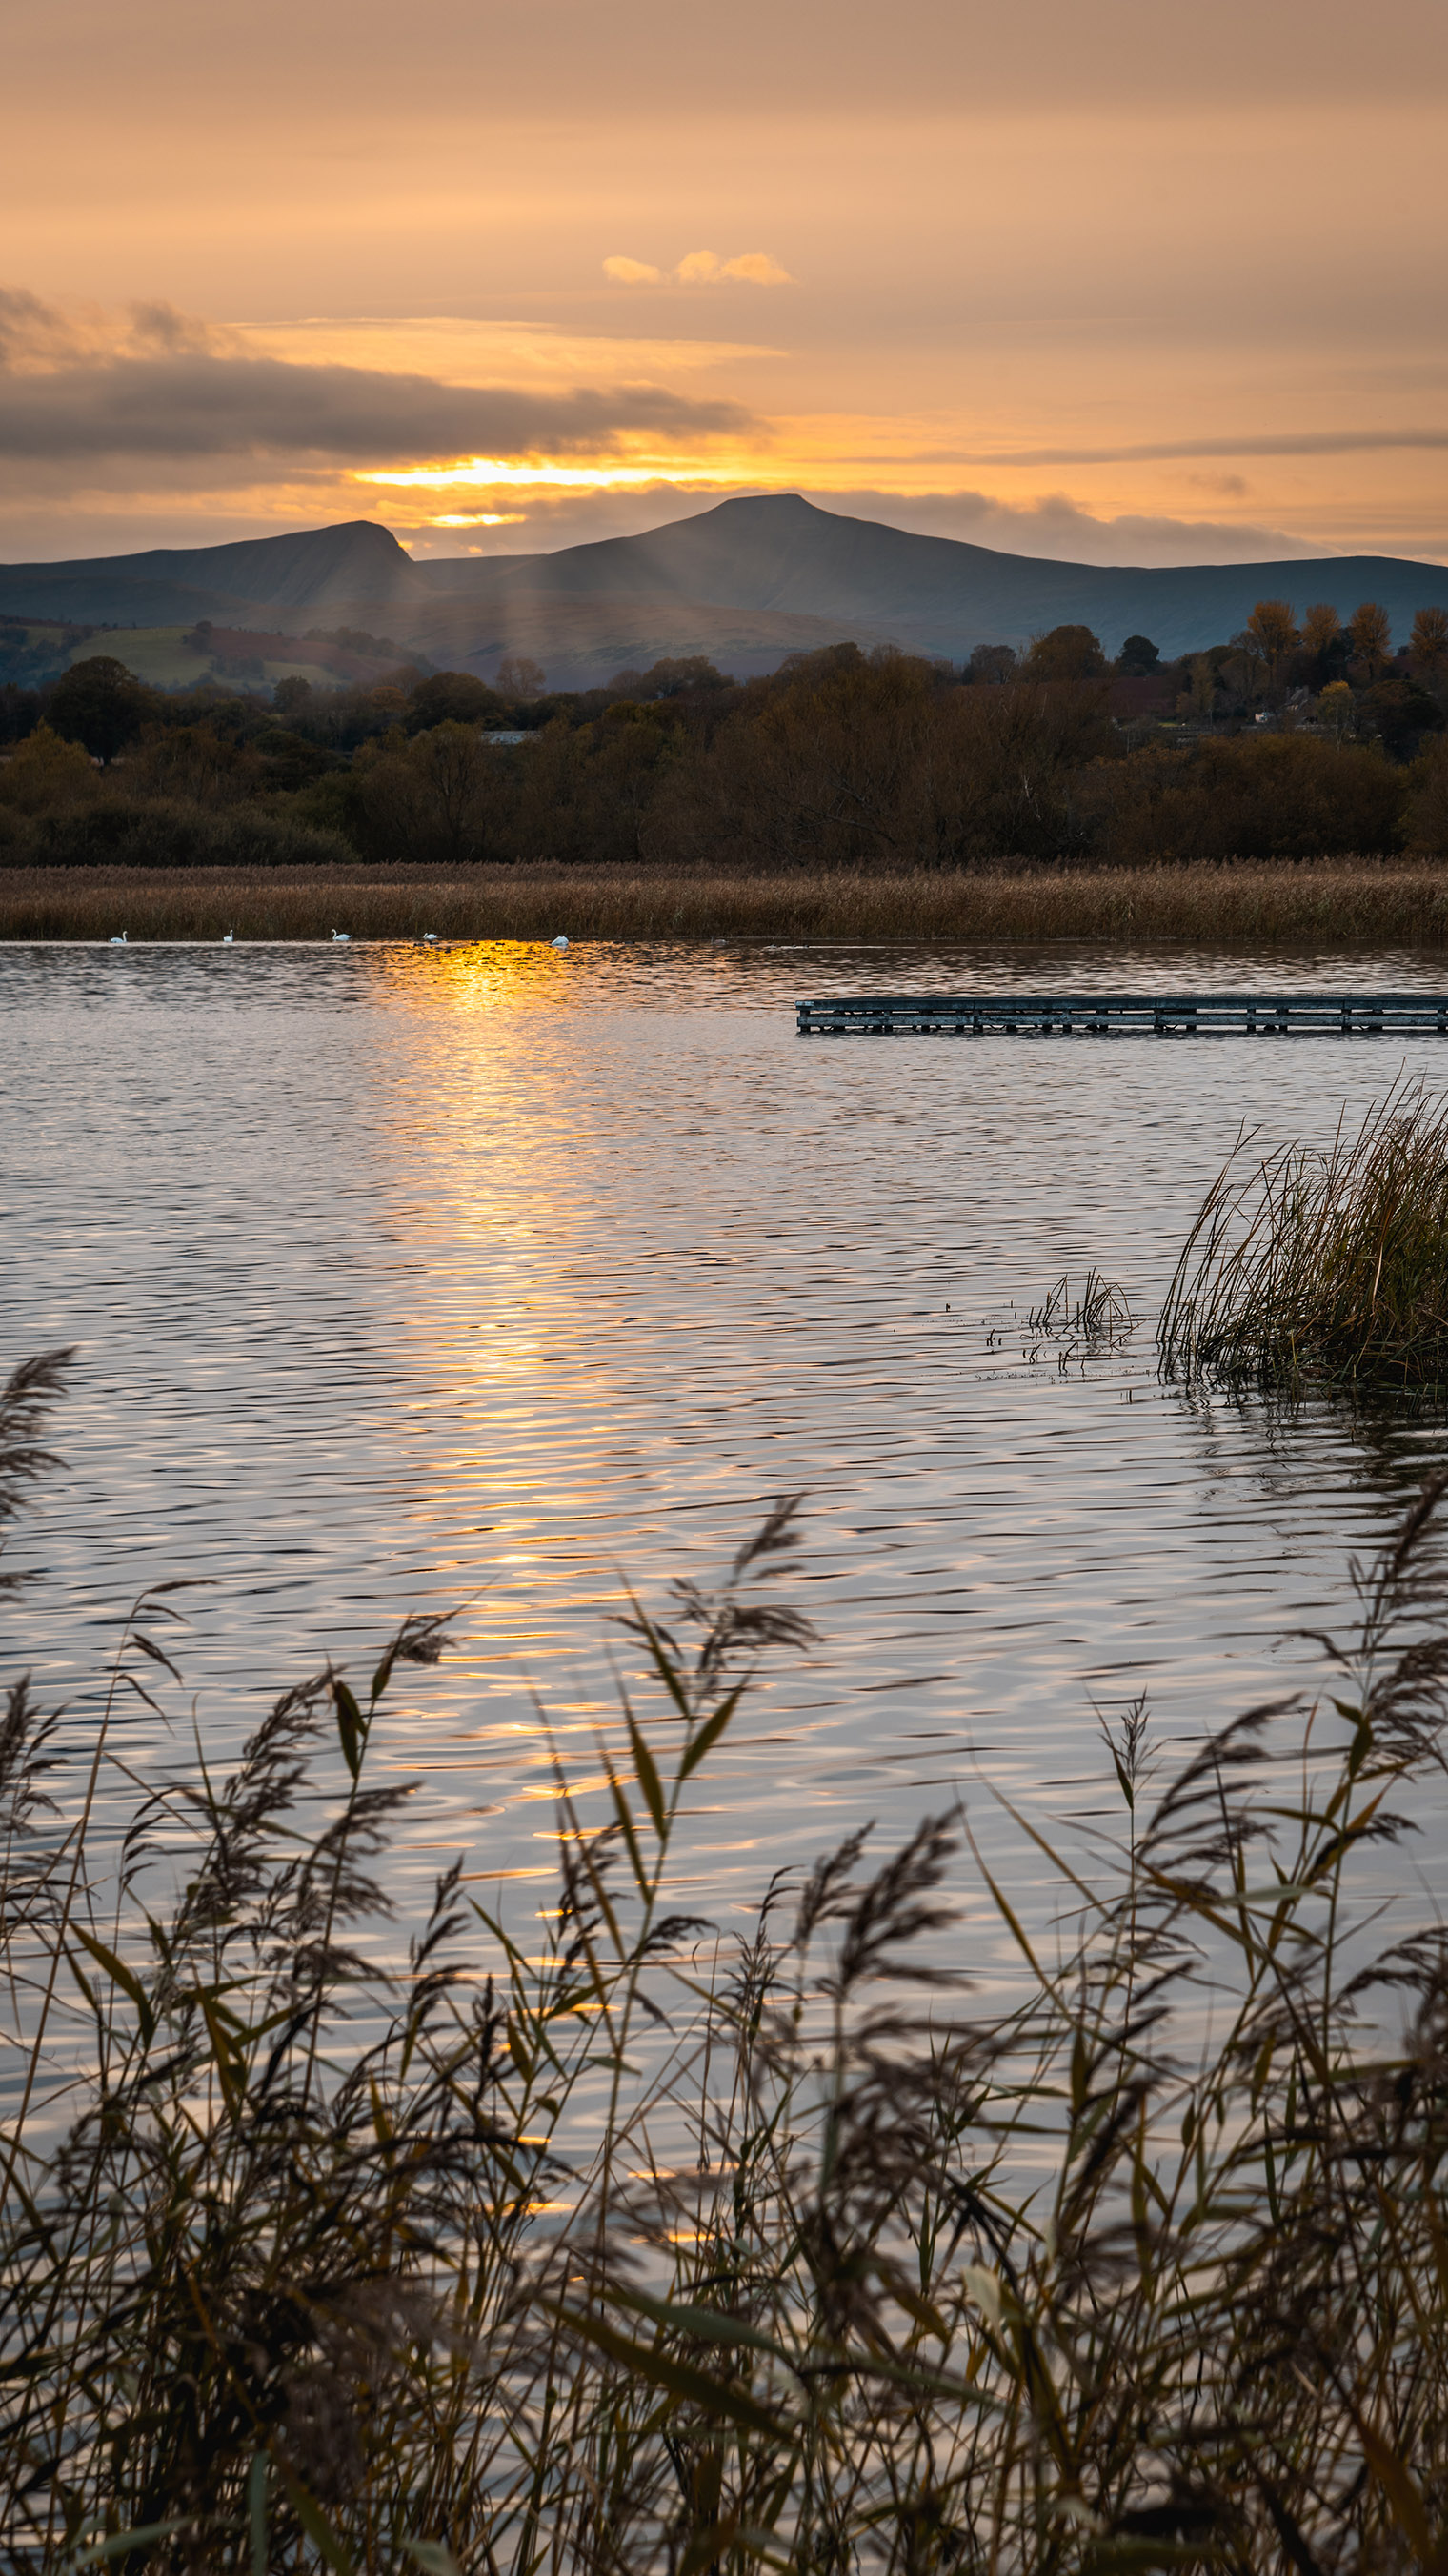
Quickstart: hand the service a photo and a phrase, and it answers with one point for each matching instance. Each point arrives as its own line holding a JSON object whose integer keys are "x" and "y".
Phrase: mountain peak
{"x": 774, "y": 504}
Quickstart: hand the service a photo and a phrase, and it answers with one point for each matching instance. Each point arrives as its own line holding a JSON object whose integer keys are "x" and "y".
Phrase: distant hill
{"x": 745, "y": 583}
{"x": 321, "y": 569}
{"x": 780, "y": 554}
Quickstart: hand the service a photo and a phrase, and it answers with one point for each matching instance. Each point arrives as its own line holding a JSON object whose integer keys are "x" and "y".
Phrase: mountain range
{"x": 744, "y": 583}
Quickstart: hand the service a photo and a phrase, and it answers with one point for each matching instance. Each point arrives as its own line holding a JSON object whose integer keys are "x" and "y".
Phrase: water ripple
{"x": 490, "y": 1277}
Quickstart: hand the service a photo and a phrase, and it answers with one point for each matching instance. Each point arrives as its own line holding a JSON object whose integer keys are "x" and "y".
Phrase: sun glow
{"x": 492, "y": 472}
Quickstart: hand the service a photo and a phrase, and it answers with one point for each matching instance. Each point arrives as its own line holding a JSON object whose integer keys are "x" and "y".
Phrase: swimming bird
{"x": 228, "y": 938}
{"x": 342, "y": 935}
{"x": 118, "y": 939}
{"x": 429, "y": 939}
{"x": 559, "y": 942}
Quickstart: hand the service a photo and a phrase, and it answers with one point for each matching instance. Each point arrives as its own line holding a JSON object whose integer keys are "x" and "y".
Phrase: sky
{"x": 1121, "y": 284}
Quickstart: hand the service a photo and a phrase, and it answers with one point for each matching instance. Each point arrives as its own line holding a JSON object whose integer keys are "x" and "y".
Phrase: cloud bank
{"x": 161, "y": 386}
{"x": 1057, "y": 527}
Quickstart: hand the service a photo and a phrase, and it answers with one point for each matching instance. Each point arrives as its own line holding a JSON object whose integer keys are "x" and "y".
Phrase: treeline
{"x": 838, "y": 760}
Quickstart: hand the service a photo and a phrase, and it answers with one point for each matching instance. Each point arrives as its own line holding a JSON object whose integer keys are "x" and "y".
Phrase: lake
{"x": 493, "y": 1277}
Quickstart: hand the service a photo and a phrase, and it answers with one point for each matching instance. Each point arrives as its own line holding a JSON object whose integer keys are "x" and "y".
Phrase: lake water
{"x": 406, "y": 1279}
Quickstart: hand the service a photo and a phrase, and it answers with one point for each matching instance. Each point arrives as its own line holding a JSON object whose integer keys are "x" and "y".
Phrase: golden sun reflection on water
{"x": 472, "y": 975}
{"x": 501, "y": 1233}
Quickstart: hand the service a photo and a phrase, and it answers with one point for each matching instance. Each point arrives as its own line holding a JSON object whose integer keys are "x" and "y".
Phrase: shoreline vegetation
{"x": 1322, "y": 1264}
{"x": 845, "y": 796}
{"x": 681, "y": 2249}
{"x": 1289, "y": 904}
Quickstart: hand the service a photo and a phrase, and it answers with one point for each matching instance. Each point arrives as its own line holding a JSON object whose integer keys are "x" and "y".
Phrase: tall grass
{"x": 1364, "y": 904}
{"x": 1331, "y": 1263}
{"x": 666, "y": 2251}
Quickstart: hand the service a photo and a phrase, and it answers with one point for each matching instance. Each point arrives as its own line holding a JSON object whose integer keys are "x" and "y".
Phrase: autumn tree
{"x": 429, "y": 799}
{"x": 587, "y": 792}
{"x": 1138, "y": 658}
{"x": 1065, "y": 653}
{"x": 1371, "y": 635}
{"x": 1401, "y": 712}
{"x": 1199, "y": 698}
{"x": 1242, "y": 670}
{"x": 193, "y": 761}
{"x": 101, "y": 704}
{"x": 673, "y": 676}
{"x": 1257, "y": 797}
{"x": 852, "y": 761}
{"x": 993, "y": 664}
{"x": 1429, "y": 639}
{"x": 1321, "y": 627}
{"x": 1325, "y": 648}
{"x": 1273, "y": 627}
{"x": 1338, "y": 709}
{"x": 1273, "y": 630}
{"x": 520, "y": 678}
{"x": 46, "y": 773}
{"x": 453, "y": 697}
{"x": 19, "y": 711}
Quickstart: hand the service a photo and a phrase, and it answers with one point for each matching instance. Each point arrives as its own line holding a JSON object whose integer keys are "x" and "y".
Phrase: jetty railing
{"x": 1165, "y": 1015}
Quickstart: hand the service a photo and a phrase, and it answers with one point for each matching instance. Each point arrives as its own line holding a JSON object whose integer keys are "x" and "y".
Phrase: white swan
{"x": 342, "y": 936}
{"x": 559, "y": 942}
{"x": 429, "y": 939}
{"x": 228, "y": 938}
{"x": 118, "y": 939}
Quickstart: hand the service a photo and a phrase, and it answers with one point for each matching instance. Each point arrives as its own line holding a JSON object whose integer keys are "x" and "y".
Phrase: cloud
{"x": 755, "y": 268}
{"x": 37, "y": 337}
{"x": 158, "y": 385}
{"x": 1288, "y": 442}
{"x": 701, "y": 268}
{"x": 1056, "y": 527}
{"x": 31, "y": 332}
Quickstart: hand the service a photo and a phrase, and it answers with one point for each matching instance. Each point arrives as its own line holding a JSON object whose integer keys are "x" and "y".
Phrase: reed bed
{"x": 657, "y": 2250}
{"x": 1329, "y": 1264}
{"x": 1359, "y": 904}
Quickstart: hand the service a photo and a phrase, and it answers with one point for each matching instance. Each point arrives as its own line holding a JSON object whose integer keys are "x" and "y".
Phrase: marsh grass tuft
{"x": 1330, "y": 1264}
{"x": 1098, "y": 1319}
{"x": 617, "y": 2245}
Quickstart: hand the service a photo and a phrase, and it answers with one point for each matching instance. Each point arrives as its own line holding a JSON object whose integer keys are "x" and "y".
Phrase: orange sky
{"x": 1125, "y": 284}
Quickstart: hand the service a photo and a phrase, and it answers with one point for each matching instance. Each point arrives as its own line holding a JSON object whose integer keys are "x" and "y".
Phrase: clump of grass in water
{"x": 1331, "y": 1264}
{"x": 837, "y": 2278}
{"x": 1099, "y": 1320}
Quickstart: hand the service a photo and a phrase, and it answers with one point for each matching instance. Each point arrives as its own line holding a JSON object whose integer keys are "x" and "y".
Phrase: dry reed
{"x": 1331, "y": 1264}
{"x": 1359, "y": 904}
{"x": 668, "y": 2253}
